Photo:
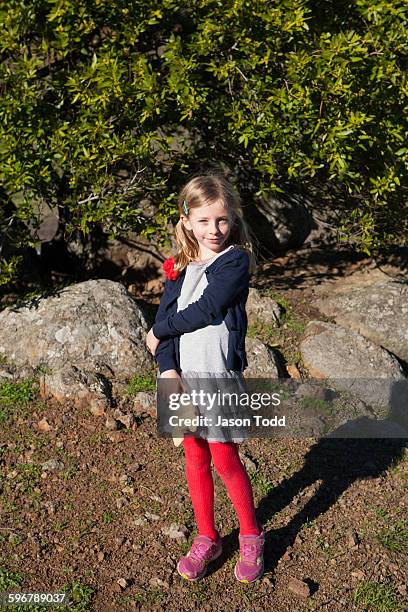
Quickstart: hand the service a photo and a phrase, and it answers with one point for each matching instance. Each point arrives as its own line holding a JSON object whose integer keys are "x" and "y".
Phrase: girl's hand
{"x": 175, "y": 384}
{"x": 170, "y": 374}
{"x": 152, "y": 342}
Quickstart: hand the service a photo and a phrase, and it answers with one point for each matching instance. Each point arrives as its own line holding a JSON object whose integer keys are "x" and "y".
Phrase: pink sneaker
{"x": 251, "y": 563}
{"x": 203, "y": 550}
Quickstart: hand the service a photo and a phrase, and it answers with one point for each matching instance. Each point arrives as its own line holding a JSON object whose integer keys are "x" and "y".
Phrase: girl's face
{"x": 211, "y": 226}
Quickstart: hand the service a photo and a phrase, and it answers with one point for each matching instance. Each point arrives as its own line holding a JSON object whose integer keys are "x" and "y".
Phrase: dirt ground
{"x": 86, "y": 509}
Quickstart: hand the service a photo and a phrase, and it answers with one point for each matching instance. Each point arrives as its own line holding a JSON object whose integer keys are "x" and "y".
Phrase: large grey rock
{"x": 94, "y": 325}
{"x": 350, "y": 361}
{"x": 378, "y": 312}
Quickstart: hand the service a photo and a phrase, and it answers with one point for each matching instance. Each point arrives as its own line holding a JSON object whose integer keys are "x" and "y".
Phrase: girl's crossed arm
{"x": 223, "y": 287}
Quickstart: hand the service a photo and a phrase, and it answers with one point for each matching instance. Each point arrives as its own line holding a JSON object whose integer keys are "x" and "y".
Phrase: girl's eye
{"x": 206, "y": 221}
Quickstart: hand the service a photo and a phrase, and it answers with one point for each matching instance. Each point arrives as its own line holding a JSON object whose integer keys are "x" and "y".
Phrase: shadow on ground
{"x": 337, "y": 462}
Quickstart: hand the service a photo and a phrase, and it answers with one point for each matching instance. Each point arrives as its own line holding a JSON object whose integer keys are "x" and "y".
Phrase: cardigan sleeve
{"x": 224, "y": 285}
{"x": 165, "y": 354}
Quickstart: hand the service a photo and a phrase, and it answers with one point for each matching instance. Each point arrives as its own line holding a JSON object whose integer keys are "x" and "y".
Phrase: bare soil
{"x": 335, "y": 511}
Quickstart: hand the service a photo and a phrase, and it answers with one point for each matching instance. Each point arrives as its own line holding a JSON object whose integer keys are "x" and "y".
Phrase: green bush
{"x": 107, "y": 107}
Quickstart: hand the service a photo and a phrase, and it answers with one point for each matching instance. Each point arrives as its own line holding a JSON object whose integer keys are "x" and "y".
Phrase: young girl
{"x": 199, "y": 333}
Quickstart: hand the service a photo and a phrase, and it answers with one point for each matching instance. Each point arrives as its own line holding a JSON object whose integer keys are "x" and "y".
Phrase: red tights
{"x": 228, "y": 464}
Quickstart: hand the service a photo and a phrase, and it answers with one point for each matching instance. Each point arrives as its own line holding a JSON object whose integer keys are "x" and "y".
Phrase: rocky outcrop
{"x": 262, "y": 308}
{"x": 378, "y": 312}
{"x": 262, "y": 360}
{"x": 350, "y": 361}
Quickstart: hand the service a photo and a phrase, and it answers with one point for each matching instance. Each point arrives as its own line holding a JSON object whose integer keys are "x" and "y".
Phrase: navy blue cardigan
{"x": 226, "y": 293}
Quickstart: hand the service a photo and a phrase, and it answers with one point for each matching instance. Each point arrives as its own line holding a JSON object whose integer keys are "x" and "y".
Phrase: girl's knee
{"x": 226, "y": 459}
{"x": 224, "y": 471}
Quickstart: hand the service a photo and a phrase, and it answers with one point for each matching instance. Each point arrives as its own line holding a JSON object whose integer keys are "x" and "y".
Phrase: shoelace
{"x": 250, "y": 553}
{"x": 200, "y": 551}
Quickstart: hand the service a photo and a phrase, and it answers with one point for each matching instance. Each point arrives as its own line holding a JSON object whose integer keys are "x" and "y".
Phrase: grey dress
{"x": 203, "y": 359}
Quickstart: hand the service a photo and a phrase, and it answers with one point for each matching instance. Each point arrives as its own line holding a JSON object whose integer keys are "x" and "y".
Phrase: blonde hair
{"x": 204, "y": 190}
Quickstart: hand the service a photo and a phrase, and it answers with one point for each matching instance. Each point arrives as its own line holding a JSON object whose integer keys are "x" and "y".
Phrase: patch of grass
{"x": 142, "y": 504}
{"x": 105, "y": 487}
{"x": 309, "y": 523}
{"x": 380, "y": 512}
{"x": 29, "y": 476}
{"x": 149, "y": 596}
{"x": 35, "y": 500}
{"x": 84, "y": 526}
{"x": 20, "y": 392}
{"x": 60, "y": 525}
{"x": 297, "y": 357}
{"x": 322, "y": 544}
{"x": 374, "y": 596}
{"x": 96, "y": 438}
{"x": 315, "y": 403}
{"x": 72, "y": 467}
{"x": 274, "y": 295}
{"x": 80, "y": 595}
{"x": 185, "y": 547}
{"x": 123, "y": 600}
{"x": 15, "y": 539}
{"x": 71, "y": 472}
{"x": 261, "y": 485}
{"x": 10, "y": 581}
{"x": 296, "y": 326}
{"x": 256, "y": 386}
{"x": 9, "y": 507}
{"x": 199, "y": 593}
{"x": 43, "y": 368}
{"x": 184, "y": 516}
{"x": 107, "y": 518}
{"x": 142, "y": 382}
{"x": 262, "y": 330}
{"x": 288, "y": 470}
{"x": 288, "y": 317}
{"x": 25, "y": 438}
{"x": 394, "y": 537}
{"x": 14, "y": 395}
